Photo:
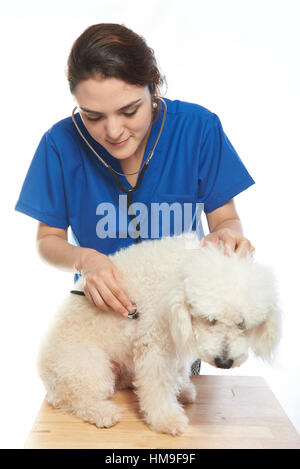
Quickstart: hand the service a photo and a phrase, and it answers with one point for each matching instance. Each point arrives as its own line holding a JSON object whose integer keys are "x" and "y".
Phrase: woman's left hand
{"x": 234, "y": 240}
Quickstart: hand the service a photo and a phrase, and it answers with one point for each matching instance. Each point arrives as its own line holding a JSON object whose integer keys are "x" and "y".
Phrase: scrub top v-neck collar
{"x": 115, "y": 163}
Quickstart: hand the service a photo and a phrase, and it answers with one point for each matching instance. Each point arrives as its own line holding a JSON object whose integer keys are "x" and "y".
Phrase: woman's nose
{"x": 114, "y": 129}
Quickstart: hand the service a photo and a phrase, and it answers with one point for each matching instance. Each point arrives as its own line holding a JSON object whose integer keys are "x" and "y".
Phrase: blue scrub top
{"x": 194, "y": 163}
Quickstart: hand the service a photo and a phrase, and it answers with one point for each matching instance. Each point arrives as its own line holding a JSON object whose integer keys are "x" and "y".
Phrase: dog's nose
{"x": 220, "y": 363}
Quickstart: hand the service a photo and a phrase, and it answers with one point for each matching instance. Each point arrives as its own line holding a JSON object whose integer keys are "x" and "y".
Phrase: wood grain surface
{"x": 229, "y": 412}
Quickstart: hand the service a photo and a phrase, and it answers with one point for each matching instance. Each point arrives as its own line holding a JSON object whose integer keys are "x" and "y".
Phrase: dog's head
{"x": 224, "y": 306}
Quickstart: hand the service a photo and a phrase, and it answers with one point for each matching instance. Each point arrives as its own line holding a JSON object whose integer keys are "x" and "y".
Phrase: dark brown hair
{"x": 113, "y": 50}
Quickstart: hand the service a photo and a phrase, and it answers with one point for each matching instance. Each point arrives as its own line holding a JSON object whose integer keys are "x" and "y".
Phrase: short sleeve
{"x": 222, "y": 175}
{"x": 43, "y": 194}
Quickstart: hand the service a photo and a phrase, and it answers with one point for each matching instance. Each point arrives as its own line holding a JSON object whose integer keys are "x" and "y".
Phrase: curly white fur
{"x": 194, "y": 302}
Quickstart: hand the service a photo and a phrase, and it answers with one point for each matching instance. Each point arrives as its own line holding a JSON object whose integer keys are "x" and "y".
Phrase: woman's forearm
{"x": 59, "y": 253}
{"x": 101, "y": 276}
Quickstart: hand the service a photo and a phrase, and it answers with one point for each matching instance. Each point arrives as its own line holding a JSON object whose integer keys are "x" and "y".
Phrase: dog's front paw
{"x": 104, "y": 415}
{"x": 173, "y": 422}
{"x": 108, "y": 415}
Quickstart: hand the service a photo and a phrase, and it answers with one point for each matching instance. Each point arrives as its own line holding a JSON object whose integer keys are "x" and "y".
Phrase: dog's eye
{"x": 212, "y": 322}
{"x": 241, "y": 325}
{"x": 209, "y": 322}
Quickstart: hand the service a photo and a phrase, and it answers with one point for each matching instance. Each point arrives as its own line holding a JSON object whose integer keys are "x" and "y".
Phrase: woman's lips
{"x": 118, "y": 144}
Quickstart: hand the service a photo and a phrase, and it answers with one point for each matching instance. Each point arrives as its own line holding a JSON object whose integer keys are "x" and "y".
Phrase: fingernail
{"x": 133, "y": 315}
{"x": 131, "y": 309}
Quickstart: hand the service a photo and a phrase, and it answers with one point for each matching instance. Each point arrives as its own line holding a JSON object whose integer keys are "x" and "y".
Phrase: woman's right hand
{"x": 101, "y": 282}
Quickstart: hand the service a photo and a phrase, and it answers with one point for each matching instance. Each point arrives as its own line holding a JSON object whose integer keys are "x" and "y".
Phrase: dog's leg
{"x": 187, "y": 389}
{"x": 156, "y": 387}
{"x": 79, "y": 379}
{"x": 188, "y": 393}
{"x": 124, "y": 378}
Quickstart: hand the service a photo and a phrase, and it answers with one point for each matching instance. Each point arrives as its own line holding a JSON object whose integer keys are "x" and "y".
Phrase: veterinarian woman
{"x": 122, "y": 155}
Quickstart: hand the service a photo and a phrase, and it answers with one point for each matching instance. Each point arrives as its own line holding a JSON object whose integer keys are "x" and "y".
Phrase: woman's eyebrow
{"x": 122, "y": 108}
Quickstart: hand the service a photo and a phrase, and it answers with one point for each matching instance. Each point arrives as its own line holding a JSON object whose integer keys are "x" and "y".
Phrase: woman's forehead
{"x": 107, "y": 95}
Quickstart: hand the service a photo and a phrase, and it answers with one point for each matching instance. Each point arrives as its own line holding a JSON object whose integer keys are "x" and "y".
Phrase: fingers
{"x": 216, "y": 238}
{"x": 233, "y": 242}
{"x": 210, "y": 238}
{"x": 107, "y": 295}
{"x": 115, "y": 297}
{"x": 102, "y": 282}
{"x": 244, "y": 248}
{"x": 89, "y": 296}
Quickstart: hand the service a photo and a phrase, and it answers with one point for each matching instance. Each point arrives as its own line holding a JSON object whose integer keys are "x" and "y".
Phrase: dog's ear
{"x": 265, "y": 337}
{"x": 179, "y": 318}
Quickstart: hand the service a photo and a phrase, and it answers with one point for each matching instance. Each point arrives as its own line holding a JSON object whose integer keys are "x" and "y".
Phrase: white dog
{"x": 193, "y": 302}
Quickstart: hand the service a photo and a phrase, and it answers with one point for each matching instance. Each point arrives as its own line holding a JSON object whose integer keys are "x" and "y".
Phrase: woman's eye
{"x": 93, "y": 118}
{"x": 129, "y": 114}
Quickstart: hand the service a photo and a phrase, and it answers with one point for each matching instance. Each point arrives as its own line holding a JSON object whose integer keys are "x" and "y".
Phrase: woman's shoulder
{"x": 186, "y": 108}
{"x": 194, "y": 118}
{"x": 61, "y": 135}
{"x": 61, "y": 129}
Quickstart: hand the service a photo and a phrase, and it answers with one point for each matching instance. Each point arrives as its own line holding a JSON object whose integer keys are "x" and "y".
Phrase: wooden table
{"x": 230, "y": 412}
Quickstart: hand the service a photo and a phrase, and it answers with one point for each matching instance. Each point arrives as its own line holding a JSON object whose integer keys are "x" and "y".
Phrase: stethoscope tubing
{"x": 138, "y": 183}
{"x": 116, "y": 173}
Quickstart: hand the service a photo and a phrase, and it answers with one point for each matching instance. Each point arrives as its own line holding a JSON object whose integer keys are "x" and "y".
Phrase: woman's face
{"x": 116, "y": 114}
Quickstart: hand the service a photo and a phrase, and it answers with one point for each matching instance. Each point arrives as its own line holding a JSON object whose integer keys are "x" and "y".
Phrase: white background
{"x": 238, "y": 58}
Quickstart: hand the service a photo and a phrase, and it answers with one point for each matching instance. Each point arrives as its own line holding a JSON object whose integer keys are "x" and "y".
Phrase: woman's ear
{"x": 265, "y": 337}
{"x": 179, "y": 318}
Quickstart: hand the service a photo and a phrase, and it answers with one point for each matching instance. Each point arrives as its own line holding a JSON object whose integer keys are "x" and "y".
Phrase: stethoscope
{"x": 115, "y": 174}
